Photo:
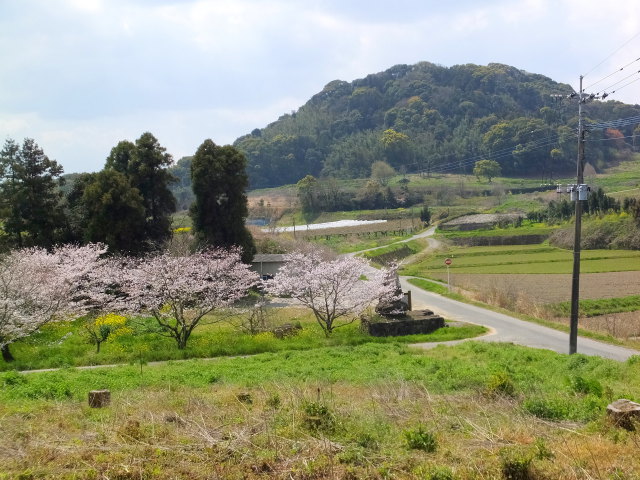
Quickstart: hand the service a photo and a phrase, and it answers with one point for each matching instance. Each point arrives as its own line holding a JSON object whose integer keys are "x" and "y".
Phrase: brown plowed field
{"x": 553, "y": 288}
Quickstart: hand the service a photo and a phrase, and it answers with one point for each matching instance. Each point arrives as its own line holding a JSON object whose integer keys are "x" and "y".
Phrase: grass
{"x": 434, "y": 287}
{"x": 604, "y": 306}
{"x": 532, "y": 259}
{"x": 370, "y": 411}
{"x": 64, "y": 345}
{"x": 397, "y": 250}
{"x": 527, "y": 228}
{"x": 353, "y": 243}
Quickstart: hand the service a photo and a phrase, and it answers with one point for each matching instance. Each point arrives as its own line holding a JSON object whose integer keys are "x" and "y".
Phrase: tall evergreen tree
{"x": 219, "y": 179}
{"x": 121, "y": 156}
{"x": 113, "y": 213}
{"x": 145, "y": 164}
{"x": 148, "y": 173}
{"x": 30, "y": 194}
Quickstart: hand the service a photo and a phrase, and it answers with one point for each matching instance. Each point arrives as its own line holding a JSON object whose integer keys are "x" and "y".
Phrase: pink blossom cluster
{"x": 37, "y": 287}
{"x": 179, "y": 290}
{"x": 339, "y": 289}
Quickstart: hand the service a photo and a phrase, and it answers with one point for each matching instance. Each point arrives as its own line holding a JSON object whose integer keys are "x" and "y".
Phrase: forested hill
{"x": 427, "y": 117}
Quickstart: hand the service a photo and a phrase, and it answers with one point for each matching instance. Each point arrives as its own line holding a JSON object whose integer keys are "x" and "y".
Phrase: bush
{"x": 515, "y": 464}
{"x": 421, "y": 439}
{"x": 318, "y": 417}
{"x": 550, "y": 409}
{"x": 501, "y": 384}
{"x": 441, "y": 473}
{"x": 585, "y": 386}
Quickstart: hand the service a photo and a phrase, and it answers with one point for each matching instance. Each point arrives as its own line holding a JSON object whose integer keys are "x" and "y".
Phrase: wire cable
{"x": 619, "y": 81}
{"x": 612, "y": 54}
{"x": 612, "y": 74}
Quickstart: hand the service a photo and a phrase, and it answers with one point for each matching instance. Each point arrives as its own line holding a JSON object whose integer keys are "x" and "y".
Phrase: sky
{"x": 79, "y": 76}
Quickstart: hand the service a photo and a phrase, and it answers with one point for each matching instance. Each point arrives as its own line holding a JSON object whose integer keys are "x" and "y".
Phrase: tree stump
{"x": 625, "y": 413}
{"x": 99, "y": 398}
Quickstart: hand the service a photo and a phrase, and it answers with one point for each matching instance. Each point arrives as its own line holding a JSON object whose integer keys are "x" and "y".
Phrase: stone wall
{"x": 405, "y": 326}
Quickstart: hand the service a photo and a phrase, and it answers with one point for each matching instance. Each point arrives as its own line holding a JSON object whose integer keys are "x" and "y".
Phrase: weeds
{"x": 421, "y": 439}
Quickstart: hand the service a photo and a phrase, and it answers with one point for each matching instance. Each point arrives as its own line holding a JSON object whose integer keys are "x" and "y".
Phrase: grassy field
{"x": 603, "y": 306}
{"x": 379, "y": 411}
{"x": 522, "y": 259}
{"x": 527, "y": 228}
{"x": 65, "y": 345}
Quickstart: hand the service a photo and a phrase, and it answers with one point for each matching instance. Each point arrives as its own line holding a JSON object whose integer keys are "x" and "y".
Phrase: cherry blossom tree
{"x": 336, "y": 291}
{"x": 38, "y": 287}
{"x": 178, "y": 291}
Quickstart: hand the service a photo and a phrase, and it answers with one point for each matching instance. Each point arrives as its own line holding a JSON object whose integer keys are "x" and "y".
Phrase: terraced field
{"x": 522, "y": 259}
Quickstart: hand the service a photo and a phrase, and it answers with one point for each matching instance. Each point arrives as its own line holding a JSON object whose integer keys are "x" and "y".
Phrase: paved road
{"x": 509, "y": 329}
{"x": 503, "y": 328}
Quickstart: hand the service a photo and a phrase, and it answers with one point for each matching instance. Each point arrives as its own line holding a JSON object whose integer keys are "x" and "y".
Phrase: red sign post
{"x": 447, "y": 262}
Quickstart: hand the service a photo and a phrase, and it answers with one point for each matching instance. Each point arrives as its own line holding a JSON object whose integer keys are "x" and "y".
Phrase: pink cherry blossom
{"x": 37, "y": 287}
{"x": 178, "y": 291}
{"x": 334, "y": 290}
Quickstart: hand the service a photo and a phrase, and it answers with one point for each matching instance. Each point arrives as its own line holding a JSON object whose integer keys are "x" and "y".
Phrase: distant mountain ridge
{"x": 427, "y": 117}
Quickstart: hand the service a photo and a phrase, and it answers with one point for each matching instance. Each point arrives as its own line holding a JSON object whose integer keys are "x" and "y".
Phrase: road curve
{"x": 509, "y": 329}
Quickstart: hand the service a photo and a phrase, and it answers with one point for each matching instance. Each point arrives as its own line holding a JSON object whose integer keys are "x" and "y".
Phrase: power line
{"x": 619, "y": 81}
{"x": 612, "y": 74}
{"x": 621, "y": 122}
{"x": 618, "y": 89}
{"x": 610, "y": 139}
{"x": 612, "y": 54}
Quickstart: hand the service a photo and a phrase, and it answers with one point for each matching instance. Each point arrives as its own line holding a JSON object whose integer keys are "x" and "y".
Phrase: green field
{"x": 527, "y": 228}
{"x": 534, "y": 259}
{"x": 603, "y": 306}
{"x": 65, "y": 345}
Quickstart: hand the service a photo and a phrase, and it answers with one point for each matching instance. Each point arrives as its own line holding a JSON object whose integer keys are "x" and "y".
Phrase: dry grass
{"x": 554, "y": 288}
{"x": 225, "y": 432}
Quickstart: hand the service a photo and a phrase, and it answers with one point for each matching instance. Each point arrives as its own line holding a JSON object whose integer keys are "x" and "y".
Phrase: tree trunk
{"x": 182, "y": 338}
{"x": 6, "y": 354}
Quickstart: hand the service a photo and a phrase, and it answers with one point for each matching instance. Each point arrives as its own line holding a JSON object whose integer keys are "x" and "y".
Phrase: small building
{"x": 267, "y": 264}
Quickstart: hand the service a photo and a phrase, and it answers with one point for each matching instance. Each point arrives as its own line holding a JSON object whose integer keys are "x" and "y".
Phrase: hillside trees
{"x": 219, "y": 182}
{"x": 30, "y": 195}
{"x": 444, "y": 112}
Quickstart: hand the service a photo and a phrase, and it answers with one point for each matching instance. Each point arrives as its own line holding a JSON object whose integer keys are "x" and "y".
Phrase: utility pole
{"x": 575, "y": 279}
{"x": 579, "y": 193}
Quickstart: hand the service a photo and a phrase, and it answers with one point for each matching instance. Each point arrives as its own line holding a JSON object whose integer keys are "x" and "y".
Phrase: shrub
{"x": 586, "y": 386}
{"x": 12, "y": 378}
{"x": 318, "y": 417}
{"x": 501, "y": 384}
{"x": 549, "y": 408}
{"x": 515, "y": 464}
{"x": 441, "y": 473}
{"x": 421, "y": 439}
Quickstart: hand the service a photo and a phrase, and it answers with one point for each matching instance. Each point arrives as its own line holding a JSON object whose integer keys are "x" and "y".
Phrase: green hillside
{"x": 426, "y": 118}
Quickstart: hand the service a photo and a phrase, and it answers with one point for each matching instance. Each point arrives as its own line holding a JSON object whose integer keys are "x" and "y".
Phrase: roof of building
{"x": 268, "y": 258}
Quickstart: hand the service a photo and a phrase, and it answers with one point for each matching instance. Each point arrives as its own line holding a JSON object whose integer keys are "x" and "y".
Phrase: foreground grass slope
{"x": 372, "y": 411}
